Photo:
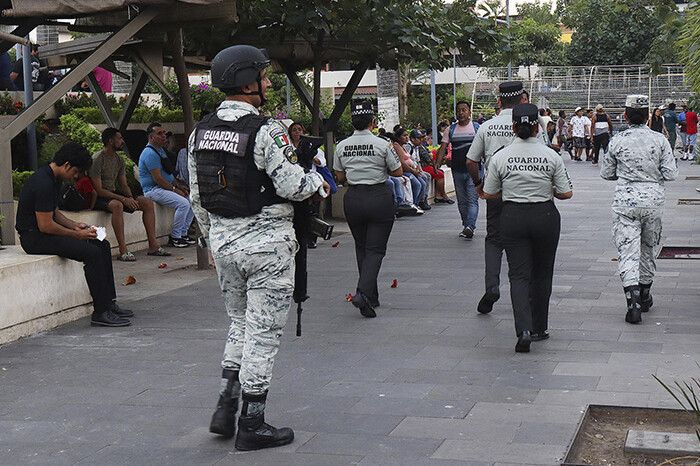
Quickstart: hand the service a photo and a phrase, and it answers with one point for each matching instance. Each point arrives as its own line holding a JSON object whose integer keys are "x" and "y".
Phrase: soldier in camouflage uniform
{"x": 254, "y": 254}
{"x": 641, "y": 160}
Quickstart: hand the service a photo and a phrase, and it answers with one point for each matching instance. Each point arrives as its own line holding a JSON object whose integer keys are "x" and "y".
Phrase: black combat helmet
{"x": 238, "y": 66}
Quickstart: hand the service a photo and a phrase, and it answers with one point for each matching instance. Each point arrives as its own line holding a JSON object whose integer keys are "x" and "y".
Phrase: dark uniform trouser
{"x": 493, "y": 249}
{"x": 600, "y": 141}
{"x": 530, "y": 234}
{"x": 369, "y": 210}
{"x": 96, "y": 255}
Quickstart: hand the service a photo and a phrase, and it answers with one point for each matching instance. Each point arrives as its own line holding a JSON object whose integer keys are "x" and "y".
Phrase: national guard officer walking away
{"x": 640, "y": 160}
{"x": 243, "y": 172}
{"x": 526, "y": 175}
{"x": 364, "y": 160}
{"x": 492, "y": 135}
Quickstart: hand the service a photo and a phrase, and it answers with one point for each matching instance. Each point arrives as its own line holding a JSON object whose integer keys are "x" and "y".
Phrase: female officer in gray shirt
{"x": 526, "y": 175}
{"x": 363, "y": 160}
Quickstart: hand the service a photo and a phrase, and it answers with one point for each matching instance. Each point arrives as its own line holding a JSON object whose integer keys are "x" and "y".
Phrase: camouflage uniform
{"x": 254, "y": 255}
{"x": 640, "y": 160}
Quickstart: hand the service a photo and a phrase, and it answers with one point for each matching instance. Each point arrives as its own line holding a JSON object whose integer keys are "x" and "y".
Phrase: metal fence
{"x": 565, "y": 88}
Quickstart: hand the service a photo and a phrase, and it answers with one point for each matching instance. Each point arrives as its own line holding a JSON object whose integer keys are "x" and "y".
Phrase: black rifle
{"x": 305, "y": 225}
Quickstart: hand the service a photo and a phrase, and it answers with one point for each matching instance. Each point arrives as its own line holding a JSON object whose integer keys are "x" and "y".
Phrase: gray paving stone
{"x": 485, "y": 450}
{"x": 347, "y": 444}
{"x": 539, "y": 433}
{"x": 399, "y": 389}
{"x": 460, "y": 429}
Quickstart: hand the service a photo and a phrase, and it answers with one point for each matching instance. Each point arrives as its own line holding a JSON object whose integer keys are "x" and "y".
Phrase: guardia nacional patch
{"x": 291, "y": 154}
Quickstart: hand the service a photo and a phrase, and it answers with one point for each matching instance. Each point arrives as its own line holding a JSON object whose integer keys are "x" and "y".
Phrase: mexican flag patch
{"x": 282, "y": 141}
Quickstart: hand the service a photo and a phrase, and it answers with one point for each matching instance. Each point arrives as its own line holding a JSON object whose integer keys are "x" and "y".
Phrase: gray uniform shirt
{"x": 640, "y": 159}
{"x": 491, "y": 136}
{"x": 525, "y": 171}
{"x": 273, "y": 224}
{"x": 365, "y": 158}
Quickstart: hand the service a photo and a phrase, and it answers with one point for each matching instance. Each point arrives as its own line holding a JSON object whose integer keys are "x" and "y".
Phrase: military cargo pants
{"x": 257, "y": 289}
{"x": 637, "y": 233}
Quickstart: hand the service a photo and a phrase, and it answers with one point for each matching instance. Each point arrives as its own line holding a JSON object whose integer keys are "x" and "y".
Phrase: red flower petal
{"x": 335, "y": 245}
{"x": 395, "y": 283}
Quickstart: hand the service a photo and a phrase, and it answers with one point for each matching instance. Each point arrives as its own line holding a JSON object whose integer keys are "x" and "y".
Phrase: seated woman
{"x": 410, "y": 170}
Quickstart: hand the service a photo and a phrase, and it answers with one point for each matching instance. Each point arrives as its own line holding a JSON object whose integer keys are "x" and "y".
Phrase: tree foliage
{"x": 689, "y": 52}
{"x": 371, "y": 31}
{"x": 611, "y": 32}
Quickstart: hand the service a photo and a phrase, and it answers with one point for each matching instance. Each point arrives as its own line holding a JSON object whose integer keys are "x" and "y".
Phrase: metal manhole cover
{"x": 689, "y": 201}
{"x": 679, "y": 252}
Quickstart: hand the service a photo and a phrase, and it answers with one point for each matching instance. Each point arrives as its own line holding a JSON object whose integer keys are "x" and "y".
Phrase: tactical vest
{"x": 230, "y": 183}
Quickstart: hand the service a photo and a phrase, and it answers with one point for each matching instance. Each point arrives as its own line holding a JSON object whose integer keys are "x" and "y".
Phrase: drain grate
{"x": 688, "y": 201}
{"x": 679, "y": 252}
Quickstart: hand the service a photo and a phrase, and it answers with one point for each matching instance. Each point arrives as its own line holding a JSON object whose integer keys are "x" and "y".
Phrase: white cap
{"x": 637, "y": 101}
{"x": 577, "y": 109}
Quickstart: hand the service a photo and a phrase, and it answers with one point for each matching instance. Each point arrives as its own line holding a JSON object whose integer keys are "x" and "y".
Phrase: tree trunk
{"x": 175, "y": 40}
{"x": 316, "y": 122}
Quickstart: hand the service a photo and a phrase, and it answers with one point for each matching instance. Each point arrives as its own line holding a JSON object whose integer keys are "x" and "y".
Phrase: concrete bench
{"x": 134, "y": 232}
{"x": 337, "y": 198}
{"x": 39, "y": 293}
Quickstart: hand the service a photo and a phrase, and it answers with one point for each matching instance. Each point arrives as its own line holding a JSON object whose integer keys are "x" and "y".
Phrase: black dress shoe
{"x": 108, "y": 319}
{"x": 486, "y": 303}
{"x": 120, "y": 312}
{"x": 539, "y": 336}
{"x": 361, "y": 302}
{"x": 524, "y": 340}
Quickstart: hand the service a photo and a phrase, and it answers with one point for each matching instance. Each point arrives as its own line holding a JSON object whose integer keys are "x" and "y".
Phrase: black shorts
{"x": 579, "y": 143}
{"x": 101, "y": 204}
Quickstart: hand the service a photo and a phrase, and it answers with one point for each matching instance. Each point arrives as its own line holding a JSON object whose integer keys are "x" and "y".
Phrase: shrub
{"x": 19, "y": 178}
{"x": 81, "y": 132}
{"x": 204, "y": 97}
{"x": 8, "y": 105}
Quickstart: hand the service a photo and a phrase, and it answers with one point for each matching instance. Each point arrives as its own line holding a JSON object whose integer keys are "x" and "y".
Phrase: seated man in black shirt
{"x": 43, "y": 229}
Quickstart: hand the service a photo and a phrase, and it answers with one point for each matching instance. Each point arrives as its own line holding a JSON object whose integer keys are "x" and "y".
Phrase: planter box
{"x": 601, "y": 434}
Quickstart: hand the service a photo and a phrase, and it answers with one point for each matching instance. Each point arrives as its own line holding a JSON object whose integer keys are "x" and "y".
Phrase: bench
{"x": 24, "y": 308}
{"x": 134, "y": 232}
{"x": 337, "y": 198}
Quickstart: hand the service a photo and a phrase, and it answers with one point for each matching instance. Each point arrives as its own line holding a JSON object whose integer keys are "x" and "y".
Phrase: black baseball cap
{"x": 417, "y": 134}
{"x": 525, "y": 114}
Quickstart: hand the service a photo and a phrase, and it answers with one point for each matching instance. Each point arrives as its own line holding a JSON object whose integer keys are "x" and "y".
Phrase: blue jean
{"x": 467, "y": 199}
{"x": 394, "y": 183}
{"x": 183, "y": 211}
{"x": 419, "y": 187}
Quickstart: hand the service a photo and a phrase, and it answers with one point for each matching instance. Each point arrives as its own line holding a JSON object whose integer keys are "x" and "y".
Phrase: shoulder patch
{"x": 276, "y": 131}
{"x": 291, "y": 154}
{"x": 281, "y": 140}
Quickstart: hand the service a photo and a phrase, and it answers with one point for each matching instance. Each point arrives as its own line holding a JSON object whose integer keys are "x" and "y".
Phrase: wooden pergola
{"x": 124, "y": 25}
{"x": 131, "y": 33}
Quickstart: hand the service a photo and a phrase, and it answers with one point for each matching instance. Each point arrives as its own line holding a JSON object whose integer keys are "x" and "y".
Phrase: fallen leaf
{"x": 349, "y": 297}
{"x": 179, "y": 258}
{"x": 599, "y": 436}
{"x": 614, "y": 259}
{"x": 162, "y": 266}
{"x": 335, "y": 245}
{"x": 395, "y": 283}
{"x": 130, "y": 280}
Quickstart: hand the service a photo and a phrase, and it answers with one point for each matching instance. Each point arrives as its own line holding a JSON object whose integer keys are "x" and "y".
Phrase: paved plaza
{"x": 428, "y": 382}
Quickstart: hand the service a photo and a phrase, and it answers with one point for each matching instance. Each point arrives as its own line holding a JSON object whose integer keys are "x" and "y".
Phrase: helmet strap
{"x": 259, "y": 93}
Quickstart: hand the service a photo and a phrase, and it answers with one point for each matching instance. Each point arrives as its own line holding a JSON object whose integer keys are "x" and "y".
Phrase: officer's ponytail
{"x": 523, "y": 131}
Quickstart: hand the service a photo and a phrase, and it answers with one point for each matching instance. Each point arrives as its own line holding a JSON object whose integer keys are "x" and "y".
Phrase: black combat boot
{"x": 253, "y": 432}
{"x": 634, "y": 304}
{"x": 647, "y": 300}
{"x": 223, "y": 422}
